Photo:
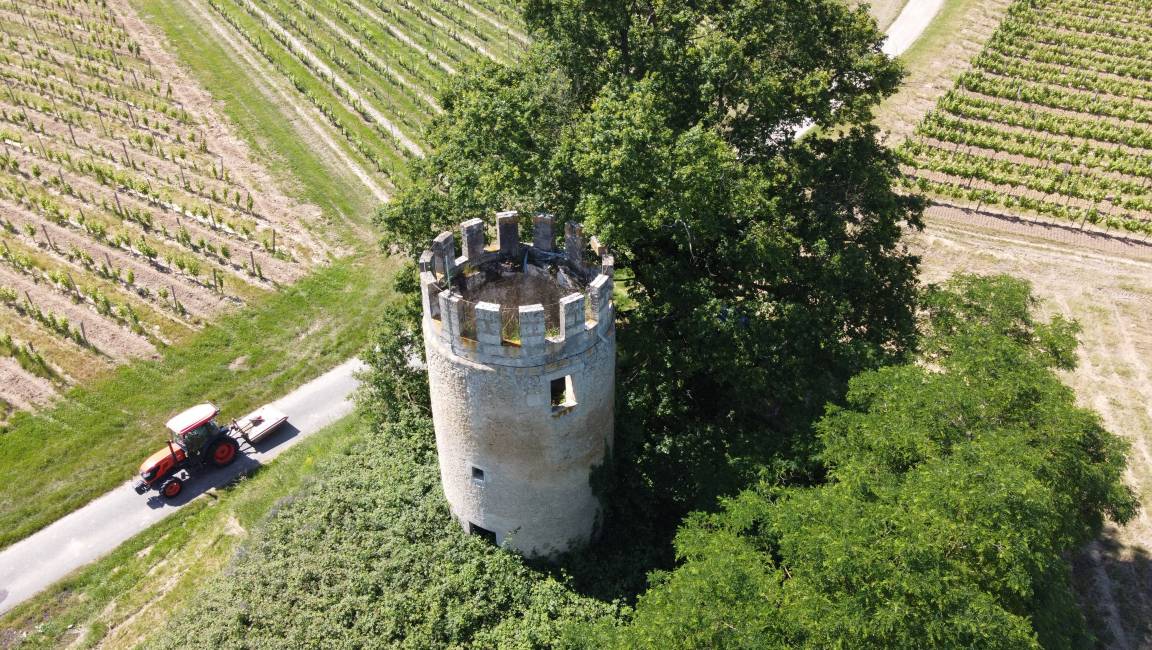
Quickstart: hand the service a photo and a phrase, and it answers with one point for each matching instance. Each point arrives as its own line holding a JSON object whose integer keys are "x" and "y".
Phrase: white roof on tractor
{"x": 192, "y": 418}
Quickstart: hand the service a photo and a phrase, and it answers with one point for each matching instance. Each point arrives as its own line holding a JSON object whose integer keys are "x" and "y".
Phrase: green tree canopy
{"x": 958, "y": 484}
{"x": 763, "y": 271}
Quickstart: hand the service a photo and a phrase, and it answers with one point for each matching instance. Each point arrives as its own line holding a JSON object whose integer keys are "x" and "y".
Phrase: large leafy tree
{"x": 958, "y": 485}
{"x": 762, "y": 270}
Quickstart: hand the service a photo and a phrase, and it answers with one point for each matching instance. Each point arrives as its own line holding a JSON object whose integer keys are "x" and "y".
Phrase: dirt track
{"x": 268, "y": 199}
{"x": 312, "y": 126}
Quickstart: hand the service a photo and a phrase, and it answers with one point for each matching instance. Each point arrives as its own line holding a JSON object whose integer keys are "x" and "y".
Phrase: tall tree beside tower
{"x": 763, "y": 270}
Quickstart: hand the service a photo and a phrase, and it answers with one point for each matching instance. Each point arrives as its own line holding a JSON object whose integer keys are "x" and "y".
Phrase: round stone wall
{"x": 522, "y": 394}
{"x": 513, "y": 463}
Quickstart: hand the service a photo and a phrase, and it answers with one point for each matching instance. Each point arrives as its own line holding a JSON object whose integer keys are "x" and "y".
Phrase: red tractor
{"x": 195, "y": 440}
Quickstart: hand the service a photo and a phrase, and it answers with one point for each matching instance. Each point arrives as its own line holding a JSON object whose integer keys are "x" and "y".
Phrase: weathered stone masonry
{"x": 521, "y": 351}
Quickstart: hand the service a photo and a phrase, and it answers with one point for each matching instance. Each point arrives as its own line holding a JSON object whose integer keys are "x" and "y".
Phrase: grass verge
{"x": 275, "y": 134}
{"x": 939, "y": 33}
{"x": 94, "y": 437}
{"x": 941, "y": 53}
{"x": 126, "y": 596}
{"x": 57, "y": 460}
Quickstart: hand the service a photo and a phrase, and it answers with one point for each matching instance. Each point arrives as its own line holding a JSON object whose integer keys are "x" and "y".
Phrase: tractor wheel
{"x": 223, "y": 452}
{"x": 172, "y": 488}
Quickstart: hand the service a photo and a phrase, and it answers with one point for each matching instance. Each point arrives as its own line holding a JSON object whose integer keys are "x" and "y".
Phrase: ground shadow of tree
{"x": 1113, "y": 580}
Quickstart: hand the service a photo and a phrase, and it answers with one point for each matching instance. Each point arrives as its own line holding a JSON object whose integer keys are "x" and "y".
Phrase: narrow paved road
{"x": 36, "y": 562}
{"x": 901, "y": 34}
{"x": 32, "y": 564}
{"x": 912, "y": 21}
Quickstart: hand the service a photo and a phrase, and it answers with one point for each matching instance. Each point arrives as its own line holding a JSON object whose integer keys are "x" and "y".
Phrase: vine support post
{"x": 11, "y": 95}
{"x": 51, "y": 244}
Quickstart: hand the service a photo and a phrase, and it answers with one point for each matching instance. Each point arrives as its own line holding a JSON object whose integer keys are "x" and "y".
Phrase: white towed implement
{"x": 259, "y": 423}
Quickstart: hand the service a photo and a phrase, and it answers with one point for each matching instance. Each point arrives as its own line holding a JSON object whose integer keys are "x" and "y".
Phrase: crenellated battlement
{"x": 516, "y": 303}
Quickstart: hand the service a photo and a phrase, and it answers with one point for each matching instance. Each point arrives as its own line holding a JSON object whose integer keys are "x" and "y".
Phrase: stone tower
{"x": 521, "y": 350}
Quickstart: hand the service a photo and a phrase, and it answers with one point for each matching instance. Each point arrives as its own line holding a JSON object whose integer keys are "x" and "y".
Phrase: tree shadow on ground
{"x": 1113, "y": 582}
{"x": 617, "y": 566}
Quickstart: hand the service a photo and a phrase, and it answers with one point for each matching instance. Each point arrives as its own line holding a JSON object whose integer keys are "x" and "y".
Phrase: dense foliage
{"x": 368, "y": 555}
{"x": 765, "y": 271}
{"x": 957, "y": 486}
{"x": 958, "y": 483}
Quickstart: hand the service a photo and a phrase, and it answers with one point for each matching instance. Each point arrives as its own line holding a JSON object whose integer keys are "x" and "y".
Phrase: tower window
{"x": 477, "y": 474}
{"x": 484, "y": 533}
{"x": 563, "y": 395}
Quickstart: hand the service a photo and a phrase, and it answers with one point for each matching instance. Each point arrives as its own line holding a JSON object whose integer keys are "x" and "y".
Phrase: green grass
{"x": 130, "y": 593}
{"x": 270, "y": 129}
{"x": 56, "y": 461}
{"x": 95, "y": 437}
{"x": 939, "y": 33}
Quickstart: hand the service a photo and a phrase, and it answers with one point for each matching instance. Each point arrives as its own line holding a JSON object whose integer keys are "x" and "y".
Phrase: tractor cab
{"x": 193, "y": 429}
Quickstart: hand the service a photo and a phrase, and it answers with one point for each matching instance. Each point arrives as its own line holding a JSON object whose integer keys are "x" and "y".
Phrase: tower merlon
{"x": 444, "y": 254}
{"x": 542, "y": 231}
{"x": 574, "y": 243}
{"x": 472, "y": 232}
{"x": 508, "y": 233}
{"x": 572, "y": 319}
{"x": 520, "y": 304}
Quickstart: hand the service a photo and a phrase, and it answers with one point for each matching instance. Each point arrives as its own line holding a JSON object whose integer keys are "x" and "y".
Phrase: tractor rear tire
{"x": 171, "y": 488}
{"x": 223, "y": 452}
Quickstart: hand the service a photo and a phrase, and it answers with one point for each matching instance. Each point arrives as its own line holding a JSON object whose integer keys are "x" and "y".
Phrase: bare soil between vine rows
{"x": 270, "y": 201}
{"x": 53, "y": 208}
